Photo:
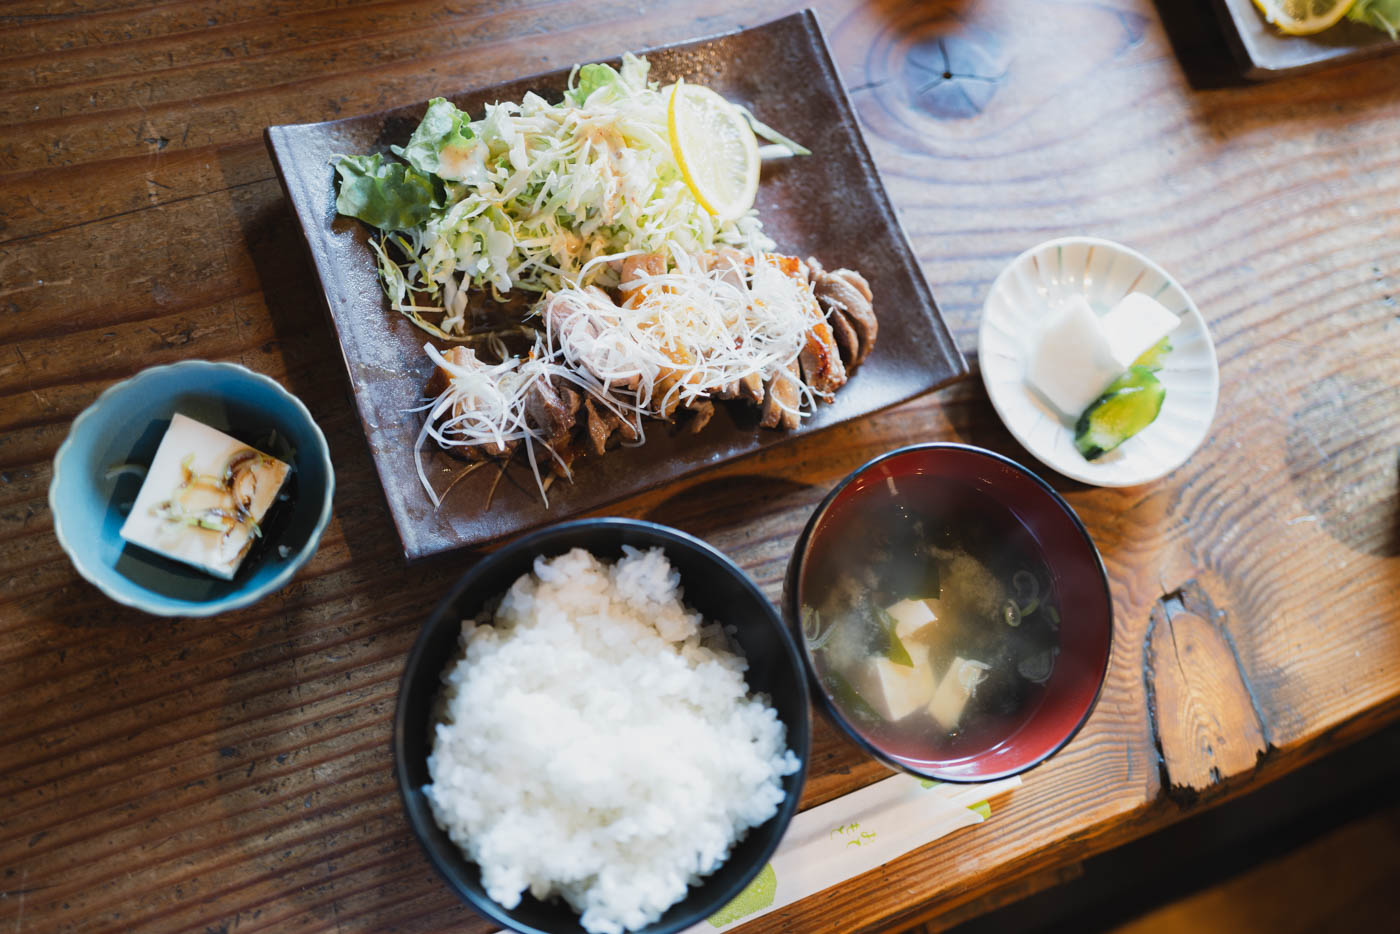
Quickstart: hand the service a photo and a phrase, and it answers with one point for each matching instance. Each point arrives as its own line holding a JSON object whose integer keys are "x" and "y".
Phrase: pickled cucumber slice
{"x": 1153, "y": 356}
{"x": 1127, "y": 406}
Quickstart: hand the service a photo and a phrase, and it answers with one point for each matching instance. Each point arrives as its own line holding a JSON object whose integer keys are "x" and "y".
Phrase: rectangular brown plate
{"x": 1264, "y": 52}
{"x": 830, "y": 205}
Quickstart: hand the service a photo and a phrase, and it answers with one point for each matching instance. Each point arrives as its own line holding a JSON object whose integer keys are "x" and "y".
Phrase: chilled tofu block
{"x": 203, "y": 498}
{"x": 954, "y": 689}
{"x": 913, "y": 619}
{"x": 896, "y": 691}
{"x": 1135, "y": 324}
{"x": 1071, "y": 361}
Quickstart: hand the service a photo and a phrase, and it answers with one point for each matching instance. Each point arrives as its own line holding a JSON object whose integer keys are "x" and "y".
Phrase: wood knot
{"x": 953, "y": 76}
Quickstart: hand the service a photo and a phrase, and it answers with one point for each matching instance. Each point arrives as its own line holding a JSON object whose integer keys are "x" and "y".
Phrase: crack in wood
{"x": 1154, "y": 732}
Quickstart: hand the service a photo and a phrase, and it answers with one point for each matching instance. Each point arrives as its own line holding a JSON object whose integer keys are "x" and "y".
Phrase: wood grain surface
{"x": 234, "y": 773}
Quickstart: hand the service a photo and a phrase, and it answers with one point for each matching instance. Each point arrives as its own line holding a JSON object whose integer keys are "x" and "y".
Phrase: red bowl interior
{"x": 1078, "y": 577}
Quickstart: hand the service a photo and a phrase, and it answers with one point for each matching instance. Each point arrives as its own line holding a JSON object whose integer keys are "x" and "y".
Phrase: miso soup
{"x": 931, "y": 617}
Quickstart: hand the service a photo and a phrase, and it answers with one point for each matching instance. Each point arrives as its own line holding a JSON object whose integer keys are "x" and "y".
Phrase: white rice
{"x": 598, "y": 742}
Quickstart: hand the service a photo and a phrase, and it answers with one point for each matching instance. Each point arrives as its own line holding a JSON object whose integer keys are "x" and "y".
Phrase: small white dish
{"x": 1103, "y": 272}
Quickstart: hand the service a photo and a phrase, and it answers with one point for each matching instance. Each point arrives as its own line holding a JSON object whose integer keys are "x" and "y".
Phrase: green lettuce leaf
{"x": 387, "y": 195}
{"x": 444, "y": 127}
{"x": 1381, "y": 14}
{"x": 591, "y": 78}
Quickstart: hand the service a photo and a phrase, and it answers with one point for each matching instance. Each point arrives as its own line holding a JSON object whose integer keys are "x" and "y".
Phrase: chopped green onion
{"x": 1028, "y": 590}
{"x": 1011, "y": 614}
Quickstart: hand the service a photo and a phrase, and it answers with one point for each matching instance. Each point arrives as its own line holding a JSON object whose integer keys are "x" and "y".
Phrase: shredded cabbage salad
{"x": 548, "y": 200}
{"x": 526, "y": 197}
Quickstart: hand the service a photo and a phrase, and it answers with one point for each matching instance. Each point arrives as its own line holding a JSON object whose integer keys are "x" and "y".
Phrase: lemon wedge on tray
{"x": 1303, "y": 17}
{"x": 715, "y": 148}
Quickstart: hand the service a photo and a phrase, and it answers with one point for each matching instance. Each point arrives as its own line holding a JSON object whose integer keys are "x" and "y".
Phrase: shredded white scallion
{"x": 972, "y": 673}
{"x": 685, "y": 334}
{"x": 681, "y": 336}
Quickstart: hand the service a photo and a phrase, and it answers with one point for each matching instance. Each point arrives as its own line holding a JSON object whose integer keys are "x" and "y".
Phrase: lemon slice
{"x": 1303, "y": 17}
{"x": 715, "y": 149}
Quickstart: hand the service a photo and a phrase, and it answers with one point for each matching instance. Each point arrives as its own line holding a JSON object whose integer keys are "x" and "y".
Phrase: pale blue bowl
{"x": 124, "y": 425}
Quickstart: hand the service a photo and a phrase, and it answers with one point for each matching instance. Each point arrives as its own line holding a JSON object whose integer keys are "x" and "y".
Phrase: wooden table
{"x": 234, "y": 773}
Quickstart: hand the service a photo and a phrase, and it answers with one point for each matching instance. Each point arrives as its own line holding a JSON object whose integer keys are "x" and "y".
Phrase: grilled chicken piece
{"x": 635, "y": 271}
{"x": 750, "y": 388}
{"x": 704, "y": 410}
{"x": 820, "y": 360}
{"x": 438, "y": 383}
{"x": 665, "y": 396}
{"x": 846, "y": 340}
{"x": 548, "y": 413}
{"x": 599, "y": 424}
{"x": 643, "y": 264}
{"x": 843, "y": 331}
{"x": 561, "y": 316}
{"x": 780, "y": 404}
{"x": 571, "y": 398}
{"x": 845, "y": 292}
{"x": 457, "y": 355}
{"x": 578, "y": 332}
{"x": 729, "y": 261}
{"x": 566, "y": 453}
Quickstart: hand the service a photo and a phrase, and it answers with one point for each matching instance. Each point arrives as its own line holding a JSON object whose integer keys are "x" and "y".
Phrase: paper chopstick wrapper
{"x": 838, "y": 840}
{"x": 852, "y": 834}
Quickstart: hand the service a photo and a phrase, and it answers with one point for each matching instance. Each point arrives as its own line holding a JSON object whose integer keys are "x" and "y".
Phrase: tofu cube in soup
{"x": 896, "y": 691}
{"x": 954, "y": 689}
{"x": 203, "y": 498}
{"x": 915, "y": 620}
